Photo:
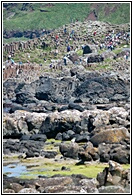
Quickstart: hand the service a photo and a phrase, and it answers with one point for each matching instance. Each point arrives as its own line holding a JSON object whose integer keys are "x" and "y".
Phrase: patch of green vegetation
{"x": 117, "y": 13}
{"x": 56, "y": 16}
{"x": 79, "y": 52}
{"x": 125, "y": 166}
{"x": 107, "y": 61}
{"x": 50, "y": 169}
{"x": 52, "y": 140}
{"x": 101, "y": 51}
{"x": 104, "y": 66}
{"x": 117, "y": 51}
{"x": 6, "y": 157}
{"x": 28, "y": 16}
{"x": 13, "y": 39}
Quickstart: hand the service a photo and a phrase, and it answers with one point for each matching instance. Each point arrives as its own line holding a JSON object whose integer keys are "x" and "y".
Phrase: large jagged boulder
{"x": 57, "y": 90}
{"x": 110, "y": 136}
{"x": 13, "y": 128}
{"x": 21, "y": 123}
{"x": 59, "y": 122}
{"x": 113, "y": 176}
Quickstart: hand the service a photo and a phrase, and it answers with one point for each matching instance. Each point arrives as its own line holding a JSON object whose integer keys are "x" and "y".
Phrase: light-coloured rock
{"x": 28, "y": 190}
{"x": 113, "y": 135}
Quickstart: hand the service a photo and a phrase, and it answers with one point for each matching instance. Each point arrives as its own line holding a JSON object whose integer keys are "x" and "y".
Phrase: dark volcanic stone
{"x": 38, "y": 137}
{"x": 75, "y": 106}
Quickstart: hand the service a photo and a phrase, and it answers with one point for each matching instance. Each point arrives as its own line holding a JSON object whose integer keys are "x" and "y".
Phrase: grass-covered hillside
{"x": 32, "y": 16}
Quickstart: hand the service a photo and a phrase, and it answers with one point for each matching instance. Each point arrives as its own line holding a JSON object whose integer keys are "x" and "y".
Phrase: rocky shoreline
{"x": 87, "y": 110}
{"x": 113, "y": 179}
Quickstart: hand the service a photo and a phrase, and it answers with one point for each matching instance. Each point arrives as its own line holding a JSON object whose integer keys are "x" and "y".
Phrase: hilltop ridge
{"x": 37, "y": 16}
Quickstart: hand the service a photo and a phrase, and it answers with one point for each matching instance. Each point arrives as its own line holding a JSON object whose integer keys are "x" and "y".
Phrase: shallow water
{"x": 14, "y": 170}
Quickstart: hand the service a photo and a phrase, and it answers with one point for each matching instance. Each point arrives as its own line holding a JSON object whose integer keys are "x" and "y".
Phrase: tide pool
{"x": 14, "y": 170}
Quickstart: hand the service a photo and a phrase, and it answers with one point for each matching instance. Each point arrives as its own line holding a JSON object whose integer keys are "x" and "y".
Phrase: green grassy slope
{"x": 32, "y": 16}
{"x": 117, "y": 13}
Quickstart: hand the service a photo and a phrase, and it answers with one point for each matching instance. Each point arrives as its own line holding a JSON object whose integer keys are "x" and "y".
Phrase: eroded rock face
{"x": 78, "y": 84}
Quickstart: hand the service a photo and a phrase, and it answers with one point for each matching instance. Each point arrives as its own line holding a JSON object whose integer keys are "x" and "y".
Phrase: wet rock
{"x": 16, "y": 106}
{"x": 25, "y": 137}
{"x": 30, "y": 147}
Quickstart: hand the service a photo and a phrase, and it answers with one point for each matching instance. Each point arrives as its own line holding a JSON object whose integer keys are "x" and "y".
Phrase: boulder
{"x": 74, "y": 58}
{"x": 59, "y": 122}
{"x": 49, "y": 154}
{"x": 13, "y": 128}
{"x": 120, "y": 155}
{"x": 110, "y": 136}
{"x": 94, "y": 58}
{"x": 75, "y": 106}
{"x": 102, "y": 87}
{"x": 87, "y": 50}
{"x": 38, "y": 137}
{"x": 114, "y": 176}
{"x": 90, "y": 185}
{"x": 69, "y": 150}
{"x": 89, "y": 153}
{"x": 15, "y": 186}
{"x": 54, "y": 181}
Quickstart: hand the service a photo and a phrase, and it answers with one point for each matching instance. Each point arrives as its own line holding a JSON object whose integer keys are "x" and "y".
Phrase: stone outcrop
{"x": 88, "y": 87}
{"x": 106, "y": 140}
